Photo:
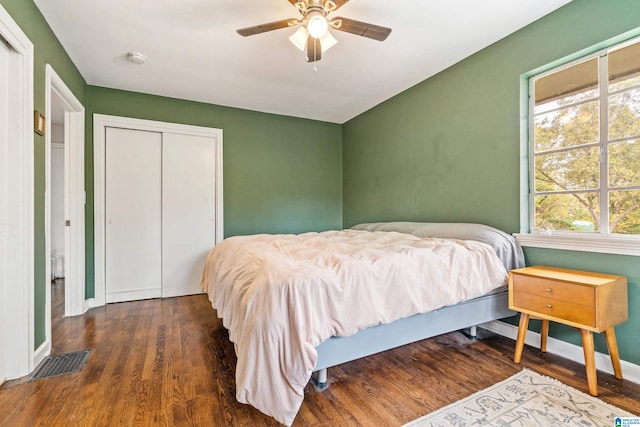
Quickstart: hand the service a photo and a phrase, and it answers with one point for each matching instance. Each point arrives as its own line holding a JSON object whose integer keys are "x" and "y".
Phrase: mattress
{"x": 280, "y": 296}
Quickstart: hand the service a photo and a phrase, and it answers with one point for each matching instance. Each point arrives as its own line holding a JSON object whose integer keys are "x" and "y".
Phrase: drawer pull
{"x": 548, "y": 305}
{"x": 548, "y": 290}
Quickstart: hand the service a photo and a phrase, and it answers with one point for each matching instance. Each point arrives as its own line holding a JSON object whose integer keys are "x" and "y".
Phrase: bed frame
{"x": 468, "y": 314}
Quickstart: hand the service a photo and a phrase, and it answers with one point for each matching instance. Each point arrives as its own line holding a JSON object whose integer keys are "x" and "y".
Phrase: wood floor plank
{"x": 170, "y": 363}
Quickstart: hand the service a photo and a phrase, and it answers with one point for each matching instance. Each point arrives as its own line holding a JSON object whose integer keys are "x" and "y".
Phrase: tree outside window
{"x": 586, "y": 145}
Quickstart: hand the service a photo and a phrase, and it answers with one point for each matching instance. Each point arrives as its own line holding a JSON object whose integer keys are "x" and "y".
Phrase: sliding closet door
{"x": 188, "y": 210}
{"x": 133, "y": 257}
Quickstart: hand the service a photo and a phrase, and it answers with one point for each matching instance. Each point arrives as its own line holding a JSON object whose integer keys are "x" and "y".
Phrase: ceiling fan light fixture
{"x": 313, "y": 35}
{"x": 327, "y": 41}
{"x": 317, "y": 24}
{"x": 299, "y": 38}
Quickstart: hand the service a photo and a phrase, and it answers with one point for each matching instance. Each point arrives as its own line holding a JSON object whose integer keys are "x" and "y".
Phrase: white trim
{"x": 219, "y": 196}
{"x": 20, "y": 271}
{"x": 100, "y": 123}
{"x": 581, "y": 242}
{"x": 74, "y": 196}
{"x": 41, "y": 353}
{"x": 103, "y": 120}
{"x": 630, "y": 371}
{"x": 76, "y": 200}
{"x": 133, "y": 295}
{"x": 88, "y": 303}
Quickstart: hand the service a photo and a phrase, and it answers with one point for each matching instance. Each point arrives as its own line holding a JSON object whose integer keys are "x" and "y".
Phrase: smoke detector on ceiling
{"x": 136, "y": 57}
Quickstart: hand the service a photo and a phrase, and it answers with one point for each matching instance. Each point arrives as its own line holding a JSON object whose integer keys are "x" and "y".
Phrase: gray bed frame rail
{"x": 467, "y": 314}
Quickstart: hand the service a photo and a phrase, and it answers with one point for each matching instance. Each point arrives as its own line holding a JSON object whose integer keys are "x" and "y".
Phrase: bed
{"x": 297, "y": 304}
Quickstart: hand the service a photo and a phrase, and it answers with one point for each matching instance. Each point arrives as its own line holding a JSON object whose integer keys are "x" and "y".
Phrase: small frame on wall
{"x": 39, "y": 122}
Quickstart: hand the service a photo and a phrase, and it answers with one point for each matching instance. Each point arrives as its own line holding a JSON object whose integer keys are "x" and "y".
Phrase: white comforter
{"x": 280, "y": 296}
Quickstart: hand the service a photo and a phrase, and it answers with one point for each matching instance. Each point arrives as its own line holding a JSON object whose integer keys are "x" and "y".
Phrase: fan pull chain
{"x": 315, "y": 45}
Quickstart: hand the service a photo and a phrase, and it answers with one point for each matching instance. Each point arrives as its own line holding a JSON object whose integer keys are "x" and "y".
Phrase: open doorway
{"x": 59, "y": 256}
{"x": 64, "y": 203}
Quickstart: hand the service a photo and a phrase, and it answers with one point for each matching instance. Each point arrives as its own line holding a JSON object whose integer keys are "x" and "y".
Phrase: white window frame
{"x": 600, "y": 242}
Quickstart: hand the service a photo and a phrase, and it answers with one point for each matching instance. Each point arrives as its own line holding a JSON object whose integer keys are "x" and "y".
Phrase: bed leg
{"x": 473, "y": 332}
{"x": 320, "y": 380}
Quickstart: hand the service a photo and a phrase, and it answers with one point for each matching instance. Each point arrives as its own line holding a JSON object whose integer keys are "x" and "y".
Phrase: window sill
{"x": 581, "y": 242}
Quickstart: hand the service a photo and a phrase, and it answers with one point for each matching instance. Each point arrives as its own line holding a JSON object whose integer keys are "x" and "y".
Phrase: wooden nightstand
{"x": 591, "y": 302}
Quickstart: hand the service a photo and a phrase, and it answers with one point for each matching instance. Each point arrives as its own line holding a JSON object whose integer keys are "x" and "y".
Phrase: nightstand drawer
{"x": 556, "y": 308}
{"x": 578, "y": 294}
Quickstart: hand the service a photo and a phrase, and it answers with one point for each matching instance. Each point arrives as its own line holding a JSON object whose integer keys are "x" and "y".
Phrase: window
{"x": 584, "y": 145}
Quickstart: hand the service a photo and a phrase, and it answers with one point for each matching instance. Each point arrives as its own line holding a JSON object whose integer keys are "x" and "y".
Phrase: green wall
{"x": 448, "y": 149}
{"x": 281, "y": 174}
{"x": 47, "y": 50}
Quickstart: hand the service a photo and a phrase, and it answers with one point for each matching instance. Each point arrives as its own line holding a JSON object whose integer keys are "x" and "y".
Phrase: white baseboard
{"x": 630, "y": 371}
{"x": 89, "y": 303}
{"x": 134, "y": 295}
{"x": 41, "y": 353}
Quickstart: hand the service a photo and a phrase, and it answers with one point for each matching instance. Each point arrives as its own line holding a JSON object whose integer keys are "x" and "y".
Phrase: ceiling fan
{"x": 313, "y": 35}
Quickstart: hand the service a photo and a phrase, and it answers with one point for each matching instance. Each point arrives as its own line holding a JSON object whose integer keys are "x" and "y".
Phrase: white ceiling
{"x": 193, "y": 51}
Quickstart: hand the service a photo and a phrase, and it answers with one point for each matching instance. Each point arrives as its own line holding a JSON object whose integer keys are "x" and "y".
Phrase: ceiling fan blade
{"x": 359, "y": 28}
{"x": 263, "y": 28}
{"x": 314, "y": 49}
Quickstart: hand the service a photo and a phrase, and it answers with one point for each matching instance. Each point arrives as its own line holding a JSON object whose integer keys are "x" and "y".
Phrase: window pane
{"x": 624, "y": 67}
{"x": 624, "y": 114}
{"x": 567, "y": 144}
{"x": 569, "y": 100}
{"x": 568, "y": 127}
{"x": 577, "y": 169}
{"x": 572, "y": 84}
{"x": 625, "y": 83}
{"x": 624, "y": 164}
{"x": 624, "y": 212}
{"x": 578, "y": 212}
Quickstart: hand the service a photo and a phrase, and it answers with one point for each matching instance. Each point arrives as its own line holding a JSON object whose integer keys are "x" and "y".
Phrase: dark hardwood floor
{"x": 170, "y": 363}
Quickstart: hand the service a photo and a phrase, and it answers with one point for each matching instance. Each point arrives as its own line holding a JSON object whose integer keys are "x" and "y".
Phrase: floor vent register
{"x": 61, "y": 364}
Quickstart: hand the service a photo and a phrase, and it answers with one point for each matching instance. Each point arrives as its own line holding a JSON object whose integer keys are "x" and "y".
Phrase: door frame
{"x": 100, "y": 123}
{"x": 19, "y": 305}
{"x": 75, "y": 199}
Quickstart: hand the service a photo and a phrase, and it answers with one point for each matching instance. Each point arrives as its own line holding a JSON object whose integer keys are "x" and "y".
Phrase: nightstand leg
{"x": 612, "y": 344}
{"x": 544, "y": 332}
{"x": 522, "y": 331}
{"x": 590, "y": 361}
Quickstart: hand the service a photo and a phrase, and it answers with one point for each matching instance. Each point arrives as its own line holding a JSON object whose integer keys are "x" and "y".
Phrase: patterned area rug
{"x": 525, "y": 399}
